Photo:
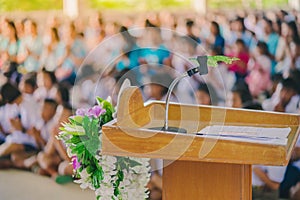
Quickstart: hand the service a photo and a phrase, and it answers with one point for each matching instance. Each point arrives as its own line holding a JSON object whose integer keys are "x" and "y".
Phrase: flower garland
{"x": 111, "y": 177}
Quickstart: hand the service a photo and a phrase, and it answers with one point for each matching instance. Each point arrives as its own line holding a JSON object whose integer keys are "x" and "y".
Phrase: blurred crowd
{"x": 49, "y": 69}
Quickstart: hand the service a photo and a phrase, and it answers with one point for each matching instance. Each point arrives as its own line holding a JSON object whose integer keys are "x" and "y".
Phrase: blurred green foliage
{"x": 252, "y": 3}
{"x": 180, "y": 4}
{"x": 274, "y": 3}
{"x": 140, "y": 4}
{"x": 27, "y": 5}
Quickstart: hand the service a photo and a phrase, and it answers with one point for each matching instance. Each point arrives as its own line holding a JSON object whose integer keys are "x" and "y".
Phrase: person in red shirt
{"x": 239, "y": 67}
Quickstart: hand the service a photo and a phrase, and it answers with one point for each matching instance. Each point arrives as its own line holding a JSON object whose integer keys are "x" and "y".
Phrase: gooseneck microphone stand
{"x": 201, "y": 69}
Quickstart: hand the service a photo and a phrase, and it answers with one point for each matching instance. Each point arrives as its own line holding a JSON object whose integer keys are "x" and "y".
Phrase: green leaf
{"x": 99, "y": 100}
{"x": 105, "y": 104}
{"x": 212, "y": 61}
{"x": 90, "y": 169}
{"x": 76, "y": 119}
{"x": 74, "y": 140}
{"x": 78, "y": 149}
{"x": 133, "y": 163}
{"x": 72, "y": 129}
{"x": 120, "y": 175}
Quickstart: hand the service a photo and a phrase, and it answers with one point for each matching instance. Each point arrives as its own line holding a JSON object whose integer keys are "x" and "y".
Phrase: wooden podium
{"x": 196, "y": 167}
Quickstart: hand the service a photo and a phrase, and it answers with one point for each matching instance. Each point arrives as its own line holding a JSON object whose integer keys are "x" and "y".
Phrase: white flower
{"x": 109, "y": 99}
{"x": 69, "y": 152}
{"x": 133, "y": 186}
{"x": 74, "y": 129}
{"x": 84, "y": 180}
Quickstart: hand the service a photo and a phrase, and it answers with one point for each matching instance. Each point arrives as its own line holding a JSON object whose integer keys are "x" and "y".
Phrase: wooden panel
{"x": 146, "y": 143}
{"x": 231, "y": 116}
{"x": 204, "y": 168}
{"x": 131, "y": 101}
{"x": 130, "y": 136}
{"x": 213, "y": 181}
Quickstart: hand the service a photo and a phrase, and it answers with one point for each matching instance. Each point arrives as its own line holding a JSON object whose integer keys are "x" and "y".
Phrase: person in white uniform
{"x": 24, "y": 120}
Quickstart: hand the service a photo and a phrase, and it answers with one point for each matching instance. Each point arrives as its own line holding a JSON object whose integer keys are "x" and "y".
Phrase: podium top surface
{"x": 130, "y": 135}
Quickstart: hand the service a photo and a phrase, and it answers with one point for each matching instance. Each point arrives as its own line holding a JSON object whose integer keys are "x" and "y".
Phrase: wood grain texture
{"x": 205, "y": 168}
{"x": 133, "y": 97}
{"x": 213, "y": 181}
{"x": 130, "y": 136}
{"x": 145, "y": 143}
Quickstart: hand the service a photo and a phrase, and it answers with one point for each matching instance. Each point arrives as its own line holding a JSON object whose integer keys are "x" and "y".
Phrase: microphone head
{"x": 203, "y": 69}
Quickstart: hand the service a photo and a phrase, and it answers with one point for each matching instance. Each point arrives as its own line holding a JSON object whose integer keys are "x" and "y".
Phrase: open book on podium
{"x": 213, "y": 159}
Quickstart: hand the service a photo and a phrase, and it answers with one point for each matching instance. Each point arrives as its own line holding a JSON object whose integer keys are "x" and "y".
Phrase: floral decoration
{"x": 111, "y": 177}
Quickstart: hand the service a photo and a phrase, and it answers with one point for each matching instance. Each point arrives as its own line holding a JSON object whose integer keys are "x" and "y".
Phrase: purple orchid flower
{"x": 81, "y": 111}
{"x": 96, "y": 111}
{"x": 75, "y": 163}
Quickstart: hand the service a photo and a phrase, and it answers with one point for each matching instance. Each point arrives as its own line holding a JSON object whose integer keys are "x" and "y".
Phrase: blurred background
{"x": 77, "y": 8}
{"x": 58, "y": 55}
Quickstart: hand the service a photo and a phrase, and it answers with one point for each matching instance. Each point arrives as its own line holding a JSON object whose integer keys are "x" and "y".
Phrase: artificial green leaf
{"x": 212, "y": 61}
{"x": 90, "y": 169}
{"x": 99, "y": 100}
{"x": 133, "y": 163}
{"x": 72, "y": 129}
{"x": 76, "y": 119}
{"x": 105, "y": 104}
{"x": 75, "y": 139}
{"x": 120, "y": 175}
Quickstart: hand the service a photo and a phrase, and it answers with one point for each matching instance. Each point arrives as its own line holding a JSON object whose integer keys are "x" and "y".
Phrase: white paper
{"x": 276, "y": 136}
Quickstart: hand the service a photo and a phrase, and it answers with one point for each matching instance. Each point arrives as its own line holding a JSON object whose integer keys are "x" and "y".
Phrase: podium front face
{"x": 203, "y": 180}
{"x": 199, "y": 167}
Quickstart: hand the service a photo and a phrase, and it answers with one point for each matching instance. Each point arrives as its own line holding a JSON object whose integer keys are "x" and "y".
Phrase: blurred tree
{"x": 140, "y": 4}
{"x": 18, "y": 5}
{"x": 28, "y": 5}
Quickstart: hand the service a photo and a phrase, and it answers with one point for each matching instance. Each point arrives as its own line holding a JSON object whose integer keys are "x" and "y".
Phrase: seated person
{"x": 41, "y": 133}
{"x": 241, "y": 96}
{"x": 53, "y": 160}
{"x": 289, "y": 187}
{"x": 240, "y": 51}
{"x": 7, "y": 112}
{"x": 287, "y": 100}
{"x": 158, "y": 87}
{"x": 70, "y": 55}
{"x": 190, "y": 25}
{"x": 259, "y": 71}
{"x": 206, "y": 95}
{"x": 266, "y": 181}
{"x": 23, "y": 119}
{"x": 28, "y": 85}
{"x": 10, "y": 71}
{"x": 46, "y": 82}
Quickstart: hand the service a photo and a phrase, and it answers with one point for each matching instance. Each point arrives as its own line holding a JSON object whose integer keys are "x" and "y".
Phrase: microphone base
{"x": 170, "y": 129}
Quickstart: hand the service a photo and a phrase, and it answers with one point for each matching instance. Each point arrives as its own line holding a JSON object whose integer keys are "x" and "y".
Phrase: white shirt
{"x": 30, "y": 116}
{"x": 7, "y": 112}
{"x": 46, "y": 128}
{"x": 292, "y": 107}
{"x": 42, "y": 93}
{"x": 275, "y": 173}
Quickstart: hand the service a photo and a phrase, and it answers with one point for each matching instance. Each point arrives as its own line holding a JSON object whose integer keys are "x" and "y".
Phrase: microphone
{"x": 202, "y": 70}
